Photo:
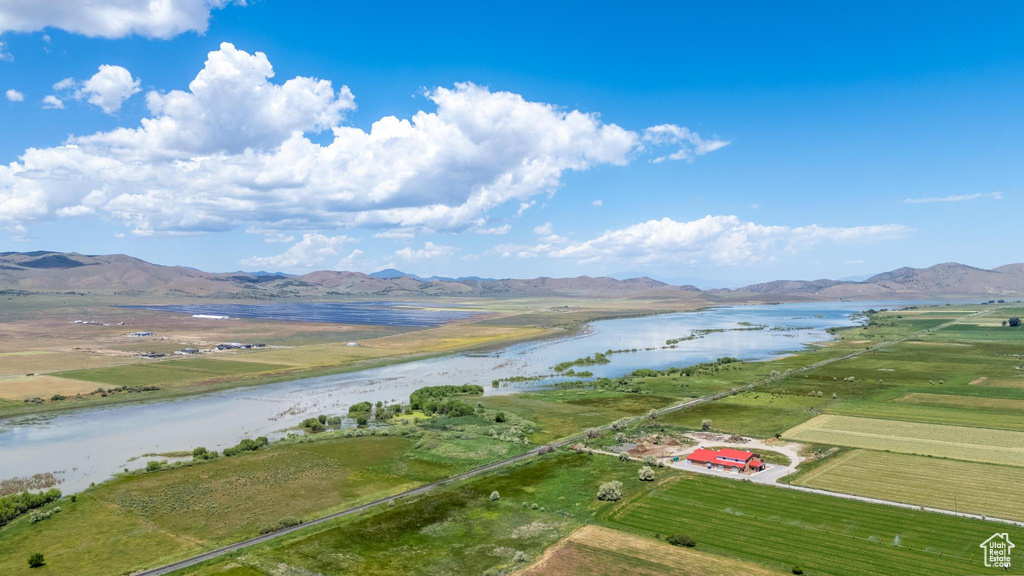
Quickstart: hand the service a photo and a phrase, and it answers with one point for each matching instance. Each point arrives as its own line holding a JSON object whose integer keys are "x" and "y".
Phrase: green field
{"x": 959, "y": 442}
{"x": 972, "y": 487}
{"x": 821, "y": 534}
{"x": 458, "y": 530}
{"x": 169, "y": 372}
{"x": 164, "y": 516}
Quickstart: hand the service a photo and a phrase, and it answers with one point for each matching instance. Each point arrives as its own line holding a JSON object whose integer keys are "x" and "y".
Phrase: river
{"x": 90, "y": 445}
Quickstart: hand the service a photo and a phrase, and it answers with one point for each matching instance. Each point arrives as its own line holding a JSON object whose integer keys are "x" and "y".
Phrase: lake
{"x": 90, "y": 445}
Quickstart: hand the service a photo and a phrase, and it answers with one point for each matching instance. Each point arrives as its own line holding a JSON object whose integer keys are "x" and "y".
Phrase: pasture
{"x": 822, "y": 534}
{"x": 455, "y": 530}
{"x": 958, "y": 442}
{"x": 166, "y": 515}
{"x": 986, "y": 489}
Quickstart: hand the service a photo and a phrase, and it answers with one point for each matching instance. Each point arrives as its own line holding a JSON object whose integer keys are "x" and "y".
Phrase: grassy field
{"x": 169, "y": 373}
{"x": 959, "y": 442}
{"x": 166, "y": 515}
{"x": 821, "y": 534}
{"x": 599, "y": 551}
{"x": 458, "y": 530}
{"x": 986, "y": 489}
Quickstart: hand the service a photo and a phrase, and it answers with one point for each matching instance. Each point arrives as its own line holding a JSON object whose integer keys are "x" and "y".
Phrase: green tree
{"x": 36, "y": 560}
{"x": 645, "y": 474}
{"x": 1015, "y": 321}
{"x": 705, "y": 424}
{"x": 499, "y": 417}
{"x": 610, "y": 491}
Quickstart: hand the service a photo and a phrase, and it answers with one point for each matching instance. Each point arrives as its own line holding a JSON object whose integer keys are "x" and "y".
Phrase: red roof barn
{"x": 727, "y": 458}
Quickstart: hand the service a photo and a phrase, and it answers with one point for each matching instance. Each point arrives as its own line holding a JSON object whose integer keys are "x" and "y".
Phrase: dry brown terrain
{"x": 599, "y": 551}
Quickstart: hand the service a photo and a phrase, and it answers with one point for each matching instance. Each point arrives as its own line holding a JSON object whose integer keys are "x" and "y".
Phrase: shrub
{"x": 334, "y": 421}
{"x": 152, "y": 466}
{"x": 652, "y": 415}
{"x": 362, "y": 420}
{"x": 422, "y": 397}
{"x": 286, "y": 522}
{"x": 520, "y": 557}
{"x": 797, "y": 570}
{"x": 650, "y": 460}
{"x": 322, "y": 419}
{"x": 495, "y": 496}
{"x": 610, "y": 491}
{"x": 705, "y": 424}
{"x": 499, "y": 417}
{"x": 36, "y": 560}
{"x": 623, "y": 456}
{"x": 1015, "y": 321}
{"x": 645, "y": 474}
{"x": 681, "y": 540}
{"x": 247, "y": 445}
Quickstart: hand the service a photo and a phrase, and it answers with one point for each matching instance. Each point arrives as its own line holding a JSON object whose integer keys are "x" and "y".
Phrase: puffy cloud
{"x": 496, "y": 230}
{"x": 430, "y": 251}
{"x": 14, "y": 96}
{"x": 5, "y": 56}
{"x": 544, "y": 229}
{"x": 109, "y": 88}
{"x": 310, "y": 252}
{"x": 725, "y": 240}
{"x": 234, "y": 150}
{"x": 110, "y": 18}
{"x": 597, "y": 203}
{"x": 51, "y": 102}
{"x": 955, "y": 198}
{"x": 690, "y": 143}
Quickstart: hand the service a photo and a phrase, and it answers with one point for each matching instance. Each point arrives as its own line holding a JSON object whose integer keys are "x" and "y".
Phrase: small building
{"x": 726, "y": 459}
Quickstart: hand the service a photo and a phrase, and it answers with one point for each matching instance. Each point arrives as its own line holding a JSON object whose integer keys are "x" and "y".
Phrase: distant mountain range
{"x": 118, "y": 274}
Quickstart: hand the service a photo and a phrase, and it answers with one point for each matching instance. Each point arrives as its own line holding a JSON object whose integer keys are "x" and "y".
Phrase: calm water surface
{"x": 90, "y": 445}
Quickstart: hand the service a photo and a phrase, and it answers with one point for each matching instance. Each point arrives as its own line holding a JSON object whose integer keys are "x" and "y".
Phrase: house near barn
{"x": 726, "y": 459}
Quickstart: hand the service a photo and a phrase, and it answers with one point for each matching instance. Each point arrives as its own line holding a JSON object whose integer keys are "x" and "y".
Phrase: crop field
{"x": 457, "y": 530}
{"x": 170, "y": 372}
{"x": 925, "y": 399}
{"x": 599, "y": 551}
{"x": 987, "y": 489}
{"x": 959, "y": 442}
{"x": 821, "y": 534}
{"x": 950, "y": 415}
{"x": 173, "y": 513}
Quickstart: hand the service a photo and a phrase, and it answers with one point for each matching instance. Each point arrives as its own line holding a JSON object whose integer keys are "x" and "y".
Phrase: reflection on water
{"x": 89, "y": 445}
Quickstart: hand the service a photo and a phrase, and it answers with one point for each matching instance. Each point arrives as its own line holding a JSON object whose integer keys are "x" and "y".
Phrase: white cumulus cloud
{"x": 110, "y": 18}
{"x": 51, "y": 102}
{"x": 716, "y": 240}
{"x": 313, "y": 250}
{"x": 234, "y": 150}
{"x": 109, "y": 88}
{"x": 14, "y": 96}
{"x": 430, "y": 251}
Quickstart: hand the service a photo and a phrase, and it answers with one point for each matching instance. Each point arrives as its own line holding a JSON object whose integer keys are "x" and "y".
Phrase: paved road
{"x": 169, "y": 568}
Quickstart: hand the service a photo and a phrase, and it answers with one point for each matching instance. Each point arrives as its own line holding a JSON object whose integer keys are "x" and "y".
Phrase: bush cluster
{"x": 247, "y": 445}
{"x": 14, "y": 505}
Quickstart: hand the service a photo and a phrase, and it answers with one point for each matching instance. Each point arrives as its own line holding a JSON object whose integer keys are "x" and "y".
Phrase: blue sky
{"x": 517, "y": 139}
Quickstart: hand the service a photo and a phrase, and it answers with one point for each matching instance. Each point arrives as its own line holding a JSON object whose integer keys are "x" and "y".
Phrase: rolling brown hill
{"x": 118, "y": 274}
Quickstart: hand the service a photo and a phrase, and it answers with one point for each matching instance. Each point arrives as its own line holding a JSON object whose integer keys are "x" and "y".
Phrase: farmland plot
{"x": 959, "y": 442}
{"x": 822, "y": 534}
{"x": 987, "y": 489}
